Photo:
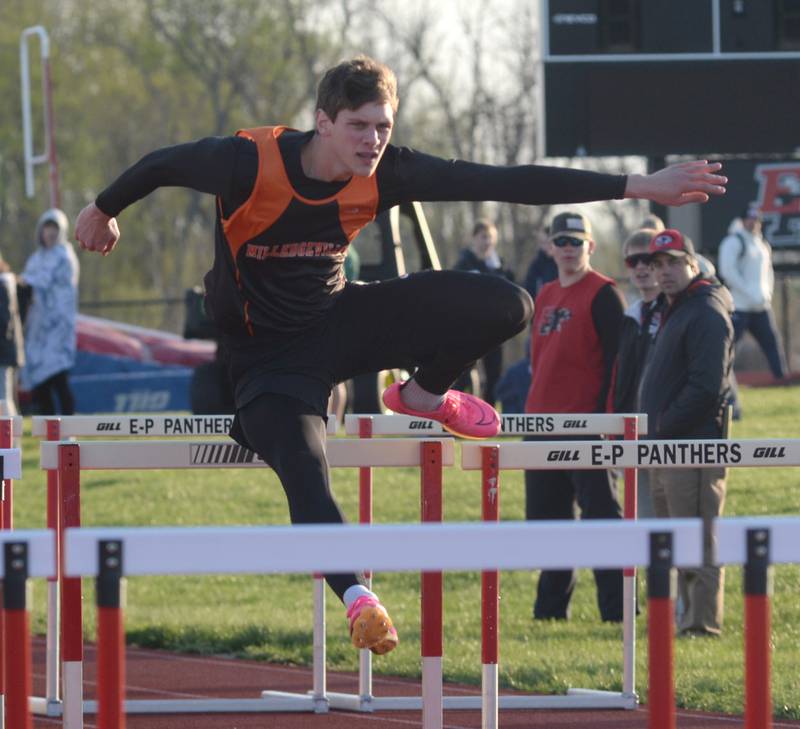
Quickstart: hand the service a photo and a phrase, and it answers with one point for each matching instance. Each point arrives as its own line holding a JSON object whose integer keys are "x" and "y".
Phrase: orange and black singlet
{"x": 281, "y": 237}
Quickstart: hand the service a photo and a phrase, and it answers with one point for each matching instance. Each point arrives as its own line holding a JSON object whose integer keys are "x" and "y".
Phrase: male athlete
{"x": 288, "y": 204}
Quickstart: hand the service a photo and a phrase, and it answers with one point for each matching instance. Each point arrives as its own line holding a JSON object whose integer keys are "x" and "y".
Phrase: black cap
{"x": 574, "y": 225}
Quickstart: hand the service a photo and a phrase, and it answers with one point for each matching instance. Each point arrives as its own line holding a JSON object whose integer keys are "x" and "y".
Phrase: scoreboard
{"x": 658, "y": 77}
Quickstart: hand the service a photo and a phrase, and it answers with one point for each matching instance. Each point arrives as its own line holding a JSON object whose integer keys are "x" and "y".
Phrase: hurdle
{"x": 628, "y": 426}
{"x": 10, "y": 469}
{"x": 629, "y": 454}
{"x": 25, "y": 553}
{"x": 70, "y": 458}
{"x": 56, "y": 428}
{"x": 10, "y": 432}
{"x": 757, "y": 543}
{"x": 425, "y": 547}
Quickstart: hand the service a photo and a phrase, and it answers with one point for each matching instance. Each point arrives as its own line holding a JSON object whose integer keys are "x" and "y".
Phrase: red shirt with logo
{"x": 567, "y": 358}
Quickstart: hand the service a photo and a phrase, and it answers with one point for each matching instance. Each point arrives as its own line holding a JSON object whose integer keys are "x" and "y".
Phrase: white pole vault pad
{"x": 142, "y": 425}
{"x": 12, "y": 462}
{"x": 604, "y": 544}
{"x": 523, "y": 424}
{"x": 167, "y": 454}
{"x": 784, "y": 534}
{"x": 558, "y": 455}
{"x": 41, "y": 550}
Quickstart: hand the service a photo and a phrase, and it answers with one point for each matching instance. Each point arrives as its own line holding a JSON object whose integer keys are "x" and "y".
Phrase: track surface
{"x": 160, "y": 674}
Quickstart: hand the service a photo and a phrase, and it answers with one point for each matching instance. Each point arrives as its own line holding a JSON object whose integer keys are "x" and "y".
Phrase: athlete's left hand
{"x": 679, "y": 184}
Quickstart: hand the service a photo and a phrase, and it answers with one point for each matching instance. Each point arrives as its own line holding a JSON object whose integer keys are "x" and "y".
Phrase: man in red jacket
{"x": 574, "y": 341}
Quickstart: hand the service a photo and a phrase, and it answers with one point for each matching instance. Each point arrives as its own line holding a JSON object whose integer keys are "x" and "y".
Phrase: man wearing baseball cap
{"x": 685, "y": 393}
{"x": 574, "y": 341}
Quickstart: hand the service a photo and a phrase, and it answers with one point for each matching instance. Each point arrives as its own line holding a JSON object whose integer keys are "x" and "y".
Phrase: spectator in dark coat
{"x": 543, "y": 268}
{"x": 482, "y": 257}
{"x": 12, "y": 350}
{"x": 685, "y": 391}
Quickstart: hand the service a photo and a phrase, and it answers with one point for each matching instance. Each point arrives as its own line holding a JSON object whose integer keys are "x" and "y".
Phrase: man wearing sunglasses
{"x": 574, "y": 342}
{"x": 685, "y": 391}
{"x": 639, "y": 327}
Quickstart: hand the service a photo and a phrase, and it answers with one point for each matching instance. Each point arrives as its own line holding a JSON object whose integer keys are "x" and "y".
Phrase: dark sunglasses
{"x": 634, "y": 260}
{"x": 567, "y": 240}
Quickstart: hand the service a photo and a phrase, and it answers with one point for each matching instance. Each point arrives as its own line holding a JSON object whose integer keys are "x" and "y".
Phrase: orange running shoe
{"x": 370, "y": 626}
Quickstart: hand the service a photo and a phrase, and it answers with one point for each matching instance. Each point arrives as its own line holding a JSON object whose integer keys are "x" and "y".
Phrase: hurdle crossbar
{"x": 41, "y": 559}
{"x": 141, "y": 426}
{"x": 396, "y": 548}
{"x": 150, "y": 455}
{"x": 522, "y": 424}
{"x": 557, "y": 455}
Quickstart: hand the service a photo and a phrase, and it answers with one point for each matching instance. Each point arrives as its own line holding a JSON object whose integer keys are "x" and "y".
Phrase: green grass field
{"x": 269, "y": 618}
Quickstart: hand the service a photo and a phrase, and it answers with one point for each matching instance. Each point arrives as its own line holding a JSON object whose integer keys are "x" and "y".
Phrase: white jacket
{"x": 50, "y": 338}
{"x": 747, "y": 271}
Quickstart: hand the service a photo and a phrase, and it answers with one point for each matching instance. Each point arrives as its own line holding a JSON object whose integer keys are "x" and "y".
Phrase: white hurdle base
{"x": 291, "y": 703}
{"x": 41, "y": 706}
{"x": 275, "y": 702}
{"x": 573, "y": 699}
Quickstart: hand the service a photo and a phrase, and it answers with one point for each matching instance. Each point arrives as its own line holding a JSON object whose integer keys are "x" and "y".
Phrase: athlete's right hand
{"x": 95, "y": 231}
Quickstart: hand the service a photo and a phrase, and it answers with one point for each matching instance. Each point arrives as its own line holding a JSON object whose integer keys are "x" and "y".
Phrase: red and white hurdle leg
{"x": 71, "y": 609}
{"x": 629, "y": 576}
{"x": 16, "y": 637}
{"x": 432, "y": 587}
{"x": 490, "y": 595}
{"x": 660, "y": 633}
{"x": 757, "y": 592}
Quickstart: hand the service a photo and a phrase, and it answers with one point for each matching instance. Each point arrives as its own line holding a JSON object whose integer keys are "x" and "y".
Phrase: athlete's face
{"x": 673, "y": 273}
{"x": 358, "y": 137}
{"x": 572, "y": 259}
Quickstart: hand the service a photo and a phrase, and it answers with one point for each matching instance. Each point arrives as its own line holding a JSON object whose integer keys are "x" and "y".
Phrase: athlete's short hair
{"x": 354, "y": 83}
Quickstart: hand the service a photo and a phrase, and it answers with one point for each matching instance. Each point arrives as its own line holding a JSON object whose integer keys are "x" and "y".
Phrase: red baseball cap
{"x": 671, "y": 242}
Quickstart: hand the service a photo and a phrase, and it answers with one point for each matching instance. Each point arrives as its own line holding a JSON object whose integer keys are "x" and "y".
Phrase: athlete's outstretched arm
{"x": 679, "y": 184}
{"x": 207, "y": 165}
{"x": 406, "y": 174}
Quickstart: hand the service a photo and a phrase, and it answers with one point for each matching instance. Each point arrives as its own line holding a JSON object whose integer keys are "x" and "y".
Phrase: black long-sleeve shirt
{"x": 288, "y": 295}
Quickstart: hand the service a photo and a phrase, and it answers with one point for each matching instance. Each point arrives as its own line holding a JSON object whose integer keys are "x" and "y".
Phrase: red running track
{"x": 155, "y": 674}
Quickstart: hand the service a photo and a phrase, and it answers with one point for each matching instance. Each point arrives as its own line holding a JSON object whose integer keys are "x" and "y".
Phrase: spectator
{"x": 652, "y": 222}
{"x": 543, "y": 268}
{"x": 639, "y": 328}
{"x": 50, "y": 339}
{"x": 574, "y": 340}
{"x": 657, "y": 224}
{"x": 482, "y": 257}
{"x": 12, "y": 350}
{"x": 685, "y": 388}
{"x": 745, "y": 265}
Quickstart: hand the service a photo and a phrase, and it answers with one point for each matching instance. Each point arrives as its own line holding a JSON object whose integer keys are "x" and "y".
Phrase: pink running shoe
{"x": 461, "y": 414}
{"x": 370, "y": 626}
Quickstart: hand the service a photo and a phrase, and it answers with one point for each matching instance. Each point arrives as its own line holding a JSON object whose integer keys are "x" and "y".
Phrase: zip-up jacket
{"x": 686, "y": 382}
{"x": 639, "y": 328}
